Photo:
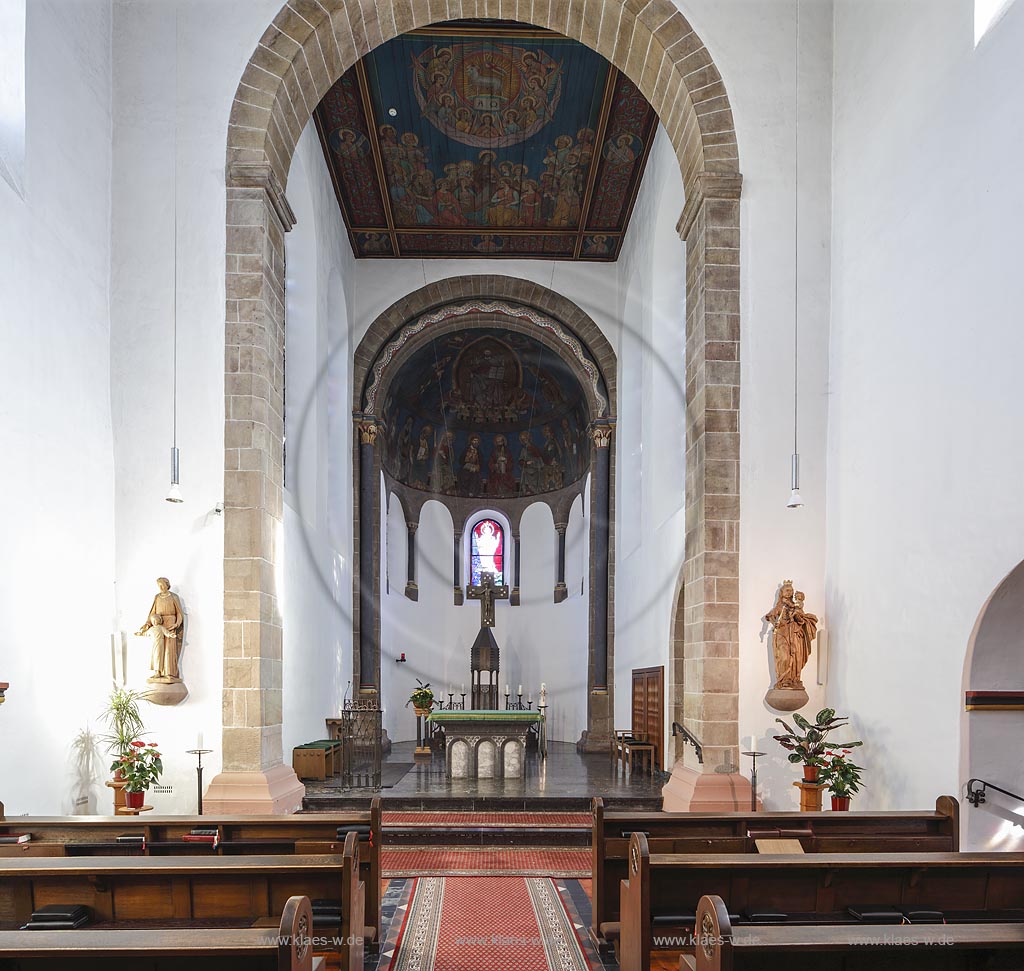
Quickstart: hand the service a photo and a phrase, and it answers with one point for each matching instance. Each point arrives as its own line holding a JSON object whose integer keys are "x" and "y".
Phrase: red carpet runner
{"x": 487, "y": 924}
{"x": 415, "y": 861}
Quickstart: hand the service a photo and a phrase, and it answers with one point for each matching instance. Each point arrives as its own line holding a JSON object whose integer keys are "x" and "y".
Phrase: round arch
{"x": 572, "y": 334}
{"x": 989, "y": 728}
{"x": 307, "y": 47}
{"x": 311, "y": 43}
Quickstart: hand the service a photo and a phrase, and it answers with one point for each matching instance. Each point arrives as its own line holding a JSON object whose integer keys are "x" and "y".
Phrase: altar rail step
{"x": 453, "y": 828}
{"x": 359, "y": 799}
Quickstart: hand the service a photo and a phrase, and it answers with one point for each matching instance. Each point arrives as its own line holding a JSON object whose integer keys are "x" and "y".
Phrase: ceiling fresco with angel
{"x": 485, "y": 139}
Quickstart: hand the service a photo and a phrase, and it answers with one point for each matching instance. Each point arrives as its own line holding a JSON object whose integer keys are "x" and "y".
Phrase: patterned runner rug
{"x": 414, "y": 861}
{"x": 487, "y": 924}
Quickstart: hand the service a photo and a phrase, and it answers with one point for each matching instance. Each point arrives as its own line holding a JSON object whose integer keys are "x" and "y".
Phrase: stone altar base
{"x": 692, "y": 791}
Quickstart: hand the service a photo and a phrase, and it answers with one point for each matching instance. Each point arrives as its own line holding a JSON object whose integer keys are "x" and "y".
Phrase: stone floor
{"x": 565, "y": 780}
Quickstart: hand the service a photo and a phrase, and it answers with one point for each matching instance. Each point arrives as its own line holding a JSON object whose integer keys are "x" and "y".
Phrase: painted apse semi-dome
{"x": 485, "y": 413}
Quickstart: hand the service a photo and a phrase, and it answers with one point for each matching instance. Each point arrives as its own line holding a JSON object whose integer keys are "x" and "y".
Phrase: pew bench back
{"x": 928, "y": 831}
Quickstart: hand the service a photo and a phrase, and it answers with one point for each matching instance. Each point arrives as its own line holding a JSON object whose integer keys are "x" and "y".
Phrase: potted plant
{"x": 124, "y": 722}
{"x": 141, "y": 767}
{"x": 808, "y": 746}
{"x": 422, "y": 699}
{"x": 842, "y": 776}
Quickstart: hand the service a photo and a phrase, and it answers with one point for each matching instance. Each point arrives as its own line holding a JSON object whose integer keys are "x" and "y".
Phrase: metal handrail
{"x": 688, "y": 736}
{"x": 977, "y": 796}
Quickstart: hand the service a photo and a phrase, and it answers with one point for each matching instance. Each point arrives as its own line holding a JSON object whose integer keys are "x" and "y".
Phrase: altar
{"x": 486, "y": 744}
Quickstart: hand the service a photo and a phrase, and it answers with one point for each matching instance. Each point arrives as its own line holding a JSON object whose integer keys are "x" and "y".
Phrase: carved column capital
{"x": 601, "y": 435}
{"x": 367, "y": 430}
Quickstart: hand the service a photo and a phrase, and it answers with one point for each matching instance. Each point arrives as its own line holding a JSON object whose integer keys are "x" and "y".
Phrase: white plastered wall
{"x": 651, "y": 458}
{"x": 316, "y": 567}
{"x": 925, "y": 464}
{"x": 57, "y": 484}
{"x": 539, "y": 641}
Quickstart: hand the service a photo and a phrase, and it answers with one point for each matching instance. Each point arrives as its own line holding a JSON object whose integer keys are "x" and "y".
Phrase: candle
{"x": 199, "y": 740}
{"x": 463, "y": 688}
{"x": 507, "y": 692}
{"x": 520, "y": 691}
{"x": 543, "y": 686}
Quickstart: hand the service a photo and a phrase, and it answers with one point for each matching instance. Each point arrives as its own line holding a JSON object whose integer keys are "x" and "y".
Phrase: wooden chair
{"x": 630, "y": 747}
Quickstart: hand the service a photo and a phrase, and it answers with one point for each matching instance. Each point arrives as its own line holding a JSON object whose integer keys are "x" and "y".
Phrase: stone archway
{"x": 993, "y": 716}
{"x": 568, "y": 331}
{"x": 303, "y": 52}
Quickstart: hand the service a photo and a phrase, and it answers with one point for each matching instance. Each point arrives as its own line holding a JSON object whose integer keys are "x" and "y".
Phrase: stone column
{"x": 369, "y": 529}
{"x": 254, "y": 778}
{"x": 412, "y": 590}
{"x": 705, "y": 666}
{"x": 561, "y": 593}
{"x": 459, "y": 596}
{"x": 598, "y": 735}
{"x": 514, "y": 597}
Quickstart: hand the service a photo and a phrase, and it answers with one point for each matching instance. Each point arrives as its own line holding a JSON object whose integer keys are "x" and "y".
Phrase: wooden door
{"x": 649, "y": 706}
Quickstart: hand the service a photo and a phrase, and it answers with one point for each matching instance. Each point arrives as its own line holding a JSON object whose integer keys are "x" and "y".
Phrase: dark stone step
{"x": 487, "y": 836}
{"x": 339, "y": 802}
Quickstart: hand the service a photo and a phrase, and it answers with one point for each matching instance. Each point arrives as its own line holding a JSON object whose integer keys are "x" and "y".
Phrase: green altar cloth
{"x": 485, "y": 744}
{"x": 451, "y": 717}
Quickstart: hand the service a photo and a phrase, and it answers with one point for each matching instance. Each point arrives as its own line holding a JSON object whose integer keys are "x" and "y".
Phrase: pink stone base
{"x": 692, "y": 791}
{"x": 276, "y": 791}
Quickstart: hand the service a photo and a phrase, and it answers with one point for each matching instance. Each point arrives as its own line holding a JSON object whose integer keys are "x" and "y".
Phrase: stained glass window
{"x": 487, "y": 551}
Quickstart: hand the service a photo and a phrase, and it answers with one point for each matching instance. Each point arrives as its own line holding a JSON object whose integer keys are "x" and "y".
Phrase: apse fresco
{"x": 485, "y": 413}
{"x": 496, "y": 141}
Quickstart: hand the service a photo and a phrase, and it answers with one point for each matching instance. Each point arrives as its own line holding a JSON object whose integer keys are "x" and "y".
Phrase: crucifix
{"x": 486, "y": 592}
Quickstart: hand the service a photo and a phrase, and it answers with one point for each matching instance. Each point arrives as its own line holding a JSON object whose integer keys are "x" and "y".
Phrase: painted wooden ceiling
{"x": 485, "y": 139}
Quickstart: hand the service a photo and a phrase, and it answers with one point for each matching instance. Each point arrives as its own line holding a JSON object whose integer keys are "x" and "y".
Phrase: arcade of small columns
{"x": 296, "y": 61}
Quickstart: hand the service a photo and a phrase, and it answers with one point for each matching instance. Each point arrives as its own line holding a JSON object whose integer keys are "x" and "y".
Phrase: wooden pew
{"x": 304, "y": 833}
{"x": 248, "y": 949}
{"x": 189, "y": 892}
{"x": 663, "y": 890}
{"x": 914, "y": 947}
{"x": 935, "y": 830}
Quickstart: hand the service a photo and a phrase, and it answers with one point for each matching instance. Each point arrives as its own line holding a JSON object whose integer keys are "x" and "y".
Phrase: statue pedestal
{"x": 810, "y": 796}
{"x": 275, "y": 790}
{"x": 692, "y": 791}
{"x": 166, "y": 693}
{"x": 786, "y": 699}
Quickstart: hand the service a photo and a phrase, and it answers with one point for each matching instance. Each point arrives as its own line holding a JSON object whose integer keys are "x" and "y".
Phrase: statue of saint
{"x": 164, "y": 625}
{"x": 793, "y": 632}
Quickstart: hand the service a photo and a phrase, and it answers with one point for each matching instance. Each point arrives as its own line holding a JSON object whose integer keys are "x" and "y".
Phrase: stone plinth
{"x": 692, "y": 791}
{"x": 276, "y": 790}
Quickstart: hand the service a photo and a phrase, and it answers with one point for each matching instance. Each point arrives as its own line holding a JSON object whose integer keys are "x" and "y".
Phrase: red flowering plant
{"x": 140, "y": 766}
{"x": 840, "y": 773}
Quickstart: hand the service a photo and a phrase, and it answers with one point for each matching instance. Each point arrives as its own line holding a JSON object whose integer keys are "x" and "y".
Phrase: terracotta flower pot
{"x": 841, "y": 804}
{"x": 422, "y": 712}
{"x": 810, "y": 773}
{"x": 135, "y": 800}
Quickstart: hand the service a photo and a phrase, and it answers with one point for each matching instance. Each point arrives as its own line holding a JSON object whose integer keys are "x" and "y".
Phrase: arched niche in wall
{"x": 486, "y": 403}
{"x": 993, "y": 718}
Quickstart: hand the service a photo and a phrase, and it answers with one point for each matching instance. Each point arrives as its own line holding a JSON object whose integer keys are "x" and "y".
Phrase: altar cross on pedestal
{"x": 487, "y": 593}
